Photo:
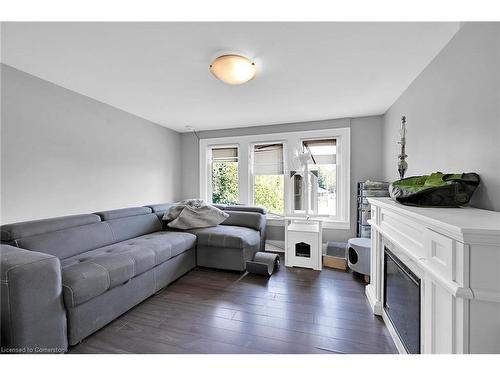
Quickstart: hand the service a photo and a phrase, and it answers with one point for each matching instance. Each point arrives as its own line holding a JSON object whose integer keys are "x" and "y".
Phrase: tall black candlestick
{"x": 402, "y": 164}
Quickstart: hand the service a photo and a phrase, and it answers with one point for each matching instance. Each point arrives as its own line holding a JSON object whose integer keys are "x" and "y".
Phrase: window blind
{"x": 226, "y": 154}
{"x": 323, "y": 151}
{"x": 268, "y": 159}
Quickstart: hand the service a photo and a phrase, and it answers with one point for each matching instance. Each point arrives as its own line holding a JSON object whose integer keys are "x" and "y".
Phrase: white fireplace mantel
{"x": 456, "y": 254}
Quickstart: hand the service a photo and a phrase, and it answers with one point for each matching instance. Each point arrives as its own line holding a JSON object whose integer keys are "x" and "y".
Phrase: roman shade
{"x": 226, "y": 154}
{"x": 323, "y": 151}
{"x": 268, "y": 159}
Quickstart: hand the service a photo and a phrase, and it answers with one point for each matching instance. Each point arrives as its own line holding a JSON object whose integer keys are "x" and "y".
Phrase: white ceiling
{"x": 160, "y": 71}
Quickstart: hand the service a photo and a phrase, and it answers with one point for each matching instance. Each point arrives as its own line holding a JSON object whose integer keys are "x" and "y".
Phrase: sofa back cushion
{"x": 239, "y": 215}
{"x": 131, "y": 222}
{"x": 62, "y": 237}
{"x": 123, "y": 212}
{"x": 252, "y": 220}
{"x": 11, "y": 232}
{"x": 161, "y": 207}
{"x": 160, "y": 210}
{"x": 68, "y": 236}
{"x": 68, "y": 242}
{"x": 134, "y": 226}
{"x": 241, "y": 207}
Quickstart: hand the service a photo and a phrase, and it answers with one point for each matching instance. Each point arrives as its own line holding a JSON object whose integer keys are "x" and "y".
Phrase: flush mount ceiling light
{"x": 233, "y": 69}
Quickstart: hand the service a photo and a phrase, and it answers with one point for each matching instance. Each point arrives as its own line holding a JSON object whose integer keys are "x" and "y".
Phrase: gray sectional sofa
{"x": 64, "y": 278}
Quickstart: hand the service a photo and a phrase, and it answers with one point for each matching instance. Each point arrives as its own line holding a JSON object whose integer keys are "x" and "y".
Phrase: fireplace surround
{"x": 455, "y": 252}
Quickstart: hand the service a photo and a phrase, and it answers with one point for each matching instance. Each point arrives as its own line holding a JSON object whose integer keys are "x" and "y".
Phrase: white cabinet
{"x": 456, "y": 254}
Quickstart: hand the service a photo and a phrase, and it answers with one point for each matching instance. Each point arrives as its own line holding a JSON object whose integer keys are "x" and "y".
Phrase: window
{"x": 290, "y": 174}
{"x": 268, "y": 173}
{"x": 224, "y": 173}
{"x": 322, "y": 176}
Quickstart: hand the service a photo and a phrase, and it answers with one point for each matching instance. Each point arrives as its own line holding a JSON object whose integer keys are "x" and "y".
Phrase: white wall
{"x": 453, "y": 114}
{"x": 366, "y": 159}
{"x": 63, "y": 153}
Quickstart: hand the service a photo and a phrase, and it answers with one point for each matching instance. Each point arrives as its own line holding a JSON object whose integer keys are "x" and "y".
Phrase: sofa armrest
{"x": 33, "y": 318}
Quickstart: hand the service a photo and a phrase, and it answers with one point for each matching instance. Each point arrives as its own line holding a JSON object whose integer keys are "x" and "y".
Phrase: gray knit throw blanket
{"x": 193, "y": 213}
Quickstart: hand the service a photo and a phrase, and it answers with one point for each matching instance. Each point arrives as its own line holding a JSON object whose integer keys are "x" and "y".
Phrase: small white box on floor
{"x": 303, "y": 243}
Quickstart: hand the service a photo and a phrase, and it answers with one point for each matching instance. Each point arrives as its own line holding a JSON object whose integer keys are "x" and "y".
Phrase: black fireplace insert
{"x": 402, "y": 301}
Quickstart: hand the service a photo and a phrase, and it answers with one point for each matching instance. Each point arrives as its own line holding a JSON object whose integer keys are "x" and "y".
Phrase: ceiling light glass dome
{"x": 233, "y": 69}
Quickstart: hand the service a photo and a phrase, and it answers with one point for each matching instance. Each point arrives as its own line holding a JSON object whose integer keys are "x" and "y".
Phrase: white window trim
{"x": 209, "y": 167}
{"x": 245, "y": 167}
{"x": 251, "y": 177}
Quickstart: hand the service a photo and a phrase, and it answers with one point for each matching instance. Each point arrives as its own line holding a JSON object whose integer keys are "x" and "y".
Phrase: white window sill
{"x": 271, "y": 216}
{"x": 277, "y": 221}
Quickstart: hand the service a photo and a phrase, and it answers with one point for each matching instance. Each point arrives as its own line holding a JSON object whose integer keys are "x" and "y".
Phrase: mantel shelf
{"x": 460, "y": 223}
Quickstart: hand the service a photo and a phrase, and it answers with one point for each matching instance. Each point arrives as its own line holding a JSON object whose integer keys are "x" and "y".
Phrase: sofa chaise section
{"x": 237, "y": 216}
{"x": 226, "y": 247}
{"x": 229, "y": 245}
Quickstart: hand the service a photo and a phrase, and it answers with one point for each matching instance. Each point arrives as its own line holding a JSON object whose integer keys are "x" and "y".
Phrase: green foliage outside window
{"x": 326, "y": 177}
{"x": 269, "y": 189}
{"x": 269, "y": 193}
{"x": 326, "y": 198}
{"x": 225, "y": 182}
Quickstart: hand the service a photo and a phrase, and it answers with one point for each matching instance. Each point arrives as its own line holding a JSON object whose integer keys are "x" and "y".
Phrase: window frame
{"x": 307, "y": 201}
{"x": 291, "y": 141}
{"x": 209, "y": 190}
{"x": 251, "y": 177}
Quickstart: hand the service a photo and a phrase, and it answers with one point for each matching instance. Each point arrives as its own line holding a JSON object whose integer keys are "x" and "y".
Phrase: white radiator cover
{"x": 456, "y": 253}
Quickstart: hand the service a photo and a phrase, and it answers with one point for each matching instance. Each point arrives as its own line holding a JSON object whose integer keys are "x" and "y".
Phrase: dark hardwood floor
{"x": 208, "y": 311}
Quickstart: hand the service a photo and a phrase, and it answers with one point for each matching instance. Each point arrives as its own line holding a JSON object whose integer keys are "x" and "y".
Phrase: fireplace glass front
{"x": 402, "y": 301}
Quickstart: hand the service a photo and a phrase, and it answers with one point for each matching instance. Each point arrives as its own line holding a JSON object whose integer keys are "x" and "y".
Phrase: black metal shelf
{"x": 367, "y": 190}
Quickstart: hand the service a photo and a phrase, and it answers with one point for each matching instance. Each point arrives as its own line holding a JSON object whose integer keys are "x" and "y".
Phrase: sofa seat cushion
{"x": 227, "y": 236}
{"x": 92, "y": 273}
